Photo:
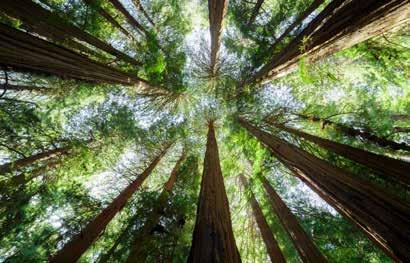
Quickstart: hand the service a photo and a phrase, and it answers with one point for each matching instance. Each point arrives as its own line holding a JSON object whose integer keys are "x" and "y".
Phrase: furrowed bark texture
{"x": 342, "y": 24}
{"x": 73, "y": 250}
{"x": 213, "y": 239}
{"x": 255, "y": 12}
{"x": 307, "y": 250}
{"x": 399, "y": 170}
{"x": 384, "y": 219}
{"x": 41, "y": 20}
{"x": 137, "y": 254}
{"x": 272, "y": 247}
{"x": 24, "y": 52}
{"x": 353, "y": 132}
{"x": 217, "y": 10}
{"x": 131, "y": 20}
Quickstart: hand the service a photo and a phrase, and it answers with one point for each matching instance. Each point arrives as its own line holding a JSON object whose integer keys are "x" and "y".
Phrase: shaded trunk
{"x": 131, "y": 20}
{"x": 144, "y": 235}
{"x": 24, "y": 52}
{"x": 73, "y": 250}
{"x": 381, "y": 217}
{"x": 401, "y": 129}
{"x": 255, "y": 12}
{"x": 388, "y": 167}
{"x": 272, "y": 247}
{"x": 400, "y": 117}
{"x": 353, "y": 132}
{"x": 15, "y": 165}
{"x": 41, "y": 20}
{"x": 139, "y": 6}
{"x": 25, "y": 88}
{"x": 213, "y": 239}
{"x": 217, "y": 10}
{"x": 303, "y": 243}
{"x": 340, "y": 25}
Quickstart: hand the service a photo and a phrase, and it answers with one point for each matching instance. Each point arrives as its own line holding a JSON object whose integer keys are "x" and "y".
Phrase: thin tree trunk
{"x": 73, "y": 250}
{"x": 217, "y": 10}
{"x": 139, "y": 6}
{"x": 383, "y": 218}
{"x": 272, "y": 247}
{"x": 213, "y": 239}
{"x": 400, "y": 117}
{"x": 131, "y": 20}
{"x": 353, "y": 132}
{"x": 25, "y": 88}
{"x": 137, "y": 254}
{"x": 15, "y": 165}
{"x": 397, "y": 129}
{"x": 389, "y": 167}
{"x": 39, "y": 18}
{"x": 255, "y": 12}
{"x": 340, "y": 25}
{"x": 307, "y": 250}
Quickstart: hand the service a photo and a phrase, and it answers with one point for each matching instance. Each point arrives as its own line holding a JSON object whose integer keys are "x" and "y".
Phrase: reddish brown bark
{"x": 41, "y": 20}
{"x": 131, "y": 20}
{"x": 389, "y": 167}
{"x": 255, "y": 11}
{"x": 137, "y": 254}
{"x": 382, "y": 218}
{"x": 73, "y": 250}
{"x": 213, "y": 239}
{"x": 272, "y": 247}
{"x": 340, "y": 25}
{"x": 307, "y": 250}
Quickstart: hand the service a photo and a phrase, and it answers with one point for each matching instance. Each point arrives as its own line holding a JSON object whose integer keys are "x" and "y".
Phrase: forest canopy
{"x": 204, "y": 131}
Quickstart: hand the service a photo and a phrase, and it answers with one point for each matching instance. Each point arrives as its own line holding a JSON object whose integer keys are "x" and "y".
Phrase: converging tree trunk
{"x": 137, "y": 254}
{"x": 217, "y": 10}
{"x": 131, "y": 20}
{"x": 41, "y": 20}
{"x": 340, "y": 25}
{"x": 25, "y": 88}
{"x": 354, "y": 132}
{"x": 381, "y": 217}
{"x": 307, "y": 250}
{"x": 255, "y": 11}
{"x": 73, "y": 250}
{"x": 139, "y": 6}
{"x": 213, "y": 239}
{"x": 389, "y": 167}
{"x": 272, "y": 247}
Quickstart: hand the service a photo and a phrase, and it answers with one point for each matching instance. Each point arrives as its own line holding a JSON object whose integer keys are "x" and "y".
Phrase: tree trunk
{"x": 213, "y": 239}
{"x": 255, "y": 12}
{"x": 137, "y": 254}
{"x": 73, "y": 250}
{"x": 400, "y": 117}
{"x": 25, "y": 88}
{"x": 383, "y": 218}
{"x": 42, "y": 20}
{"x": 307, "y": 250}
{"x": 340, "y": 25}
{"x": 139, "y": 6}
{"x": 272, "y": 247}
{"x": 353, "y": 132}
{"x": 131, "y": 20}
{"x": 217, "y": 10}
{"x": 388, "y": 167}
{"x": 15, "y": 165}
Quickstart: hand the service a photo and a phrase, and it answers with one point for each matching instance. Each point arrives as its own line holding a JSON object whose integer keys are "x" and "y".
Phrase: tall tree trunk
{"x": 307, "y": 250}
{"x": 137, "y": 254}
{"x": 25, "y": 88}
{"x": 255, "y": 12}
{"x": 39, "y": 18}
{"x": 340, "y": 25}
{"x": 131, "y": 20}
{"x": 139, "y": 6}
{"x": 353, "y": 132}
{"x": 383, "y": 218}
{"x": 389, "y": 167}
{"x": 73, "y": 250}
{"x": 272, "y": 247}
{"x": 217, "y": 10}
{"x": 24, "y": 52}
{"x": 15, "y": 165}
{"x": 213, "y": 239}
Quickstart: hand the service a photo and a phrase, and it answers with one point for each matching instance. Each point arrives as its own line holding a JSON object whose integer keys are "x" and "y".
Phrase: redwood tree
{"x": 131, "y": 20}
{"x": 213, "y": 239}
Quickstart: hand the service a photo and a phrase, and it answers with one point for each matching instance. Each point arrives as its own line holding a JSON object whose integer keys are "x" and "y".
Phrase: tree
{"x": 139, "y": 6}
{"x": 255, "y": 12}
{"x": 213, "y": 237}
{"x": 131, "y": 20}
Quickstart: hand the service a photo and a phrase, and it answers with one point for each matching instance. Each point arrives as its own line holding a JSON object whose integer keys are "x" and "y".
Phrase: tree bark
{"x": 137, "y": 254}
{"x": 213, "y": 239}
{"x": 353, "y": 132}
{"x": 400, "y": 117}
{"x": 272, "y": 247}
{"x": 139, "y": 6}
{"x": 73, "y": 250}
{"x": 381, "y": 217}
{"x": 25, "y": 88}
{"x": 131, "y": 20}
{"x": 217, "y": 11}
{"x": 342, "y": 24}
{"x": 255, "y": 12}
{"x": 388, "y": 167}
{"x": 307, "y": 250}
{"x": 41, "y": 20}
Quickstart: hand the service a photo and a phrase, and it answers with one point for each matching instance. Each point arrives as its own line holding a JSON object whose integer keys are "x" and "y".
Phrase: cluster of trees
{"x": 296, "y": 112}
